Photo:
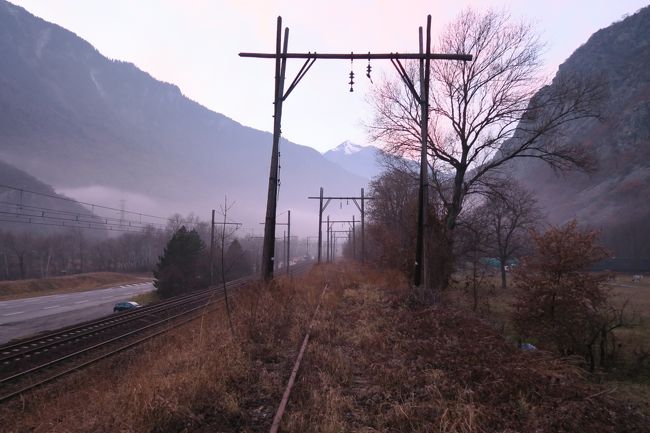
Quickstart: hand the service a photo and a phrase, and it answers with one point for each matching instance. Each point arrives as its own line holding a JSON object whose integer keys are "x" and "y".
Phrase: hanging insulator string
{"x": 369, "y": 69}
{"x": 351, "y": 83}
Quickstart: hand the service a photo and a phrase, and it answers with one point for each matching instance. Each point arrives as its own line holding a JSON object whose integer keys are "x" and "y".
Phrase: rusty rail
{"x": 294, "y": 371}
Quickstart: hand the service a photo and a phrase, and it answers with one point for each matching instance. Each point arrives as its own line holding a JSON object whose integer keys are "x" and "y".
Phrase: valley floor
{"x": 378, "y": 361}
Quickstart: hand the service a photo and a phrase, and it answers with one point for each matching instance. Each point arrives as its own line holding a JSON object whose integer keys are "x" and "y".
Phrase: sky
{"x": 195, "y": 44}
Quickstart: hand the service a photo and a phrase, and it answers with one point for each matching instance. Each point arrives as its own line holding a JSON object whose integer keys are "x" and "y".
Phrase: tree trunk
{"x": 47, "y": 263}
{"x": 440, "y": 260}
{"x": 223, "y": 271}
{"x": 503, "y": 274}
{"x": 6, "y": 266}
{"x": 603, "y": 348}
{"x": 21, "y": 264}
{"x": 474, "y": 282}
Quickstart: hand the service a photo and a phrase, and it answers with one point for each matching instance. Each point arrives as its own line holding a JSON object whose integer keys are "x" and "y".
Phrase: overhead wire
{"x": 80, "y": 220}
{"x": 92, "y": 205}
{"x": 42, "y": 209}
{"x": 98, "y": 221}
{"x": 74, "y": 226}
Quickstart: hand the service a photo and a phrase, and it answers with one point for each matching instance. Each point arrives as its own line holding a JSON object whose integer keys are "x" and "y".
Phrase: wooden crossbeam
{"x": 369, "y": 56}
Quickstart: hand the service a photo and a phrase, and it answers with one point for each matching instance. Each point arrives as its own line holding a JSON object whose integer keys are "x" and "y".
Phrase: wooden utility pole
{"x": 224, "y": 224}
{"x": 420, "y": 272}
{"x": 268, "y": 251}
{"x": 212, "y": 251}
{"x": 288, "y": 239}
{"x": 320, "y": 224}
{"x": 330, "y": 224}
{"x": 360, "y": 207}
{"x": 284, "y": 247}
{"x": 363, "y": 229}
{"x": 333, "y": 241}
{"x": 328, "y": 238}
{"x": 354, "y": 239}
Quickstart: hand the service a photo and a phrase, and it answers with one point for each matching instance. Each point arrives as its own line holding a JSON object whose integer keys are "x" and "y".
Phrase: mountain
{"x": 27, "y": 204}
{"x": 615, "y": 197}
{"x": 103, "y": 130}
{"x": 363, "y": 161}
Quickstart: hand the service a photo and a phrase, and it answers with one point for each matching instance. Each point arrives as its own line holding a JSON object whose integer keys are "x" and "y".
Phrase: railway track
{"x": 33, "y": 362}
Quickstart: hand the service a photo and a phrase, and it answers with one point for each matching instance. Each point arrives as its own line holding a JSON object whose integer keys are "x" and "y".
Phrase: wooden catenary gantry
{"x": 281, "y": 56}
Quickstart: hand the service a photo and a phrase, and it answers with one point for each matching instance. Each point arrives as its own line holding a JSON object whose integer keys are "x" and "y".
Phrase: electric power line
{"x": 92, "y": 205}
{"x": 77, "y": 215}
{"x": 96, "y": 222}
{"x": 76, "y": 226}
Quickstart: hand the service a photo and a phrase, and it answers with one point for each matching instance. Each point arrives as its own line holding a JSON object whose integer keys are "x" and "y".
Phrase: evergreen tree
{"x": 181, "y": 267}
{"x": 238, "y": 262}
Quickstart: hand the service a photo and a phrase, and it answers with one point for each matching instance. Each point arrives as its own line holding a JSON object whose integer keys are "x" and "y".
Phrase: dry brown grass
{"x": 196, "y": 378}
{"x": 630, "y": 376}
{"x": 67, "y": 284}
{"x": 378, "y": 361}
{"x": 381, "y": 362}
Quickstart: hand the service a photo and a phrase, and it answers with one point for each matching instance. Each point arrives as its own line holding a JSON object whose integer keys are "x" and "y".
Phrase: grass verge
{"x": 19, "y": 289}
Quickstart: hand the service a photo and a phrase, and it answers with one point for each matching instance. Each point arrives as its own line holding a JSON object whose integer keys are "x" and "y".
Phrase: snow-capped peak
{"x": 348, "y": 148}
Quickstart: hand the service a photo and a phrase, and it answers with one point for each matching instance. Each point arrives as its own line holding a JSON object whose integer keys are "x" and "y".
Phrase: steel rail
{"x": 98, "y": 345}
{"x": 297, "y": 269}
{"x": 49, "y": 379}
{"x": 50, "y": 340}
{"x": 13, "y": 350}
{"x": 277, "y": 419}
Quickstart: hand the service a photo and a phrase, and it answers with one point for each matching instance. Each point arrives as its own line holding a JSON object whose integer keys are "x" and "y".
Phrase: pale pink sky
{"x": 194, "y": 44}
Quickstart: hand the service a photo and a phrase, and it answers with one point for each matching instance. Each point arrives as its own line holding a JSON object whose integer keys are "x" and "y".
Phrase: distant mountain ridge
{"x": 78, "y": 120}
{"x": 363, "y": 161}
{"x": 616, "y": 196}
{"x": 25, "y": 198}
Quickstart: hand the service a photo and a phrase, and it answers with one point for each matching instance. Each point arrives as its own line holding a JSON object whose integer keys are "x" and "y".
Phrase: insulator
{"x": 351, "y": 83}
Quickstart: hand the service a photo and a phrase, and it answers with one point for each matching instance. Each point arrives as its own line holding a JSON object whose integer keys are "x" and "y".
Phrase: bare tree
{"x": 475, "y": 239}
{"x": 174, "y": 223}
{"x": 484, "y": 113}
{"x": 510, "y": 212}
{"x": 21, "y": 245}
{"x": 391, "y": 223}
{"x": 224, "y": 211}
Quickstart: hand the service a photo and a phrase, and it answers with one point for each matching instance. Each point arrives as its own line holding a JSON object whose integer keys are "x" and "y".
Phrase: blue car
{"x": 125, "y": 306}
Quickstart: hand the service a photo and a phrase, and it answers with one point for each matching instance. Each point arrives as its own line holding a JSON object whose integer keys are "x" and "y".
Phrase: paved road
{"x": 24, "y": 317}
